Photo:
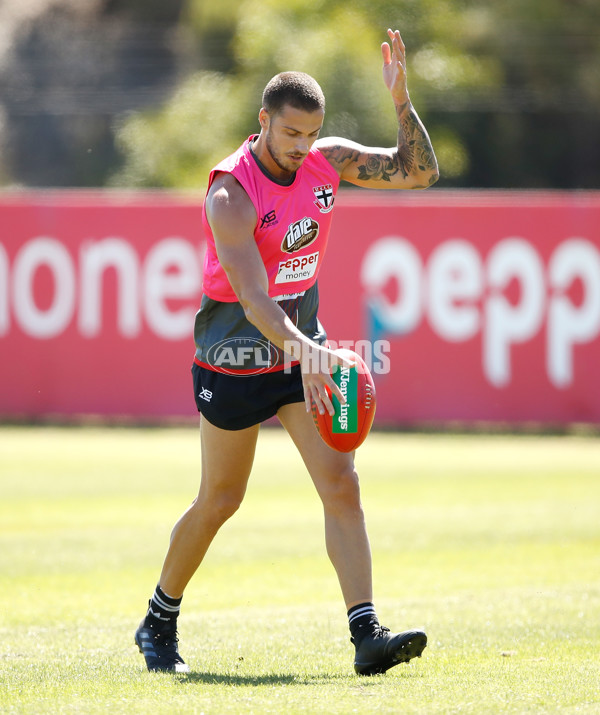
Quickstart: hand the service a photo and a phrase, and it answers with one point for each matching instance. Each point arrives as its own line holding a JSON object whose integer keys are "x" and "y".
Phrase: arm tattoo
{"x": 375, "y": 166}
{"x": 414, "y": 153}
{"x": 340, "y": 156}
{"x": 379, "y": 167}
{"x": 414, "y": 146}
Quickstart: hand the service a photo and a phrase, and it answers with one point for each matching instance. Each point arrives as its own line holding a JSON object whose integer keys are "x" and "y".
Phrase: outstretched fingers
{"x": 394, "y": 66}
{"x": 320, "y": 387}
{"x": 320, "y": 392}
{"x": 398, "y": 49}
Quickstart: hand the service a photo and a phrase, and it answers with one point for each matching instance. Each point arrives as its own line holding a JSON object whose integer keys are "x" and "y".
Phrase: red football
{"x": 348, "y": 428}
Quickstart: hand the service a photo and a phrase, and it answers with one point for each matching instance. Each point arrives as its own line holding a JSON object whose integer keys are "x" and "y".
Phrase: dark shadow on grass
{"x": 237, "y": 679}
{"x": 211, "y": 678}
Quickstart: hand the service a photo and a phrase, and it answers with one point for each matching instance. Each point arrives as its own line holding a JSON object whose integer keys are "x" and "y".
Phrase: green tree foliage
{"x": 491, "y": 80}
{"x": 175, "y": 146}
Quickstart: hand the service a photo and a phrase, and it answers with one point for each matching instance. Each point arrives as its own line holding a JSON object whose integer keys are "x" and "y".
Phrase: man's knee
{"x": 341, "y": 491}
{"x": 219, "y": 506}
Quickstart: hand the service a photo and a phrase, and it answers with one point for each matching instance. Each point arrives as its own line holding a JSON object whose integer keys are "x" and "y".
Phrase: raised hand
{"x": 394, "y": 67}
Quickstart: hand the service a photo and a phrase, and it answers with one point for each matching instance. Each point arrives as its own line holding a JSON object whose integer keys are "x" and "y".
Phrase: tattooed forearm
{"x": 411, "y": 164}
{"x": 414, "y": 148}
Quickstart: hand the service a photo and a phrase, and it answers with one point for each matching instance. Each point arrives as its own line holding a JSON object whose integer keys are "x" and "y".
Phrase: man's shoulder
{"x": 337, "y": 151}
{"x": 226, "y": 190}
{"x": 226, "y": 198}
{"x": 232, "y": 160}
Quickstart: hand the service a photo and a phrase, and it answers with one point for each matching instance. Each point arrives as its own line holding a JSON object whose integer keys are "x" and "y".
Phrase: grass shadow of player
{"x": 237, "y": 679}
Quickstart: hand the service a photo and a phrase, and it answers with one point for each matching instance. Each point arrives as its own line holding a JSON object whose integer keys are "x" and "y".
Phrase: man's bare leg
{"x": 227, "y": 458}
{"x": 336, "y": 481}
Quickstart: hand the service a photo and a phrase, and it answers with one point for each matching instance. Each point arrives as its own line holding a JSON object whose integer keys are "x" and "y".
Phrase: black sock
{"x": 162, "y": 609}
{"x": 362, "y": 619}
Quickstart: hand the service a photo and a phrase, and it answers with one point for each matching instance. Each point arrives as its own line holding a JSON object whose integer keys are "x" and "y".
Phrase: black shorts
{"x": 234, "y": 403}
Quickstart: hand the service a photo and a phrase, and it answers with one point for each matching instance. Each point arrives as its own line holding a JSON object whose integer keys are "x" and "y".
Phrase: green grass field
{"x": 492, "y": 543}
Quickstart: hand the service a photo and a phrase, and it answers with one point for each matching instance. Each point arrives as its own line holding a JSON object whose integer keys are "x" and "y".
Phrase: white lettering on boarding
{"x": 462, "y": 295}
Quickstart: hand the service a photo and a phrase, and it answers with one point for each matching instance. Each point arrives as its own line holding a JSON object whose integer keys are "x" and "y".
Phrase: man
{"x": 266, "y": 216}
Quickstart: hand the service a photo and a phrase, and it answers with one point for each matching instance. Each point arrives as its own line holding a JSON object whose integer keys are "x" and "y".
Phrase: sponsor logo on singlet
{"x": 268, "y": 220}
{"x": 298, "y": 268}
{"x": 300, "y": 234}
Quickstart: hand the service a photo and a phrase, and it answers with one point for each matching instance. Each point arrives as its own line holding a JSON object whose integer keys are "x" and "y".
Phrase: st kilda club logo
{"x": 324, "y": 198}
{"x": 300, "y": 234}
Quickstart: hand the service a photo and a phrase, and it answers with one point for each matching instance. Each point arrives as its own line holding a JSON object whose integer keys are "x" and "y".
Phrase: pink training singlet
{"x": 292, "y": 227}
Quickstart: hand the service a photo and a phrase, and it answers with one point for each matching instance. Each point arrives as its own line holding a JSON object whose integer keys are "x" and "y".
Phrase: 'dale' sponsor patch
{"x": 300, "y": 234}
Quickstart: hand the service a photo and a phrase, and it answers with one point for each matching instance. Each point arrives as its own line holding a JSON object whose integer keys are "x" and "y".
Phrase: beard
{"x": 279, "y": 159}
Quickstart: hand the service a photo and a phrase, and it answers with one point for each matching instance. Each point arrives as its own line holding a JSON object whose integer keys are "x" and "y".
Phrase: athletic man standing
{"x": 266, "y": 217}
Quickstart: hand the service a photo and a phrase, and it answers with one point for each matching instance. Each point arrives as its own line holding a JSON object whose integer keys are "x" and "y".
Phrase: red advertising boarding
{"x": 468, "y": 306}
